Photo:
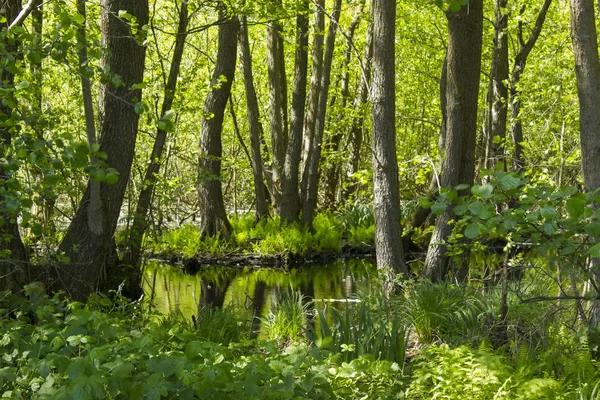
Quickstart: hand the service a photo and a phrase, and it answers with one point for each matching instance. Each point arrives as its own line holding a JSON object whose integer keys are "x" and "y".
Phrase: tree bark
{"x": 213, "y": 217}
{"x": 497, "y": 110}
{"x": 315, "y": 86}
{"x": 356, "y": 135}
{"x": 254, "y": 124}
{"x": 289, "y": 207}
{"x": 587, "y": 71}
{"x": 277, "y": 102}
{"x": 14, "y": 260}
{"x": 311, "y": 169}
{"x": 462, "y": 91}
{"x": 332, "y": 175}
{"x": 386, "y": 192}
{"x": 88, "y": 248}
{"x": 133, "y": 255}
{"x": 516, "y": 127}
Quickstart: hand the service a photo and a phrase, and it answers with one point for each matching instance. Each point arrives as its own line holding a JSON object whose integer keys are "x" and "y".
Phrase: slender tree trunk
{"x": 462, "y": 92}
{"x": 497, "y": 110}
{"x": 87, "y": 244}
{"x": 277, "y": 101}
{"x": 289, "y": 207}
{"x": 213, "y": 217}
{"x": 133, "y": 256}
{"x": 516, "y": 127}
{"x": 356, "y": 135}
{"x": 254, "y": 124}
{"x": 315, "y": 86}
{"x": 386, "y": 192}
{"x": 332, "y": 176}
{"x": 311, "y": 169}
{"x": 587, "y": 70}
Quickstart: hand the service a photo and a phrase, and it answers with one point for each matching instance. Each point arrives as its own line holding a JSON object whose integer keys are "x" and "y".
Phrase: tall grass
{"x": 357, "y": 331}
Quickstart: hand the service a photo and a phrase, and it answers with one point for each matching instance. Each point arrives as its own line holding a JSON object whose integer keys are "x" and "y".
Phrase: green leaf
{"x": 472, "y": 231}
{"x": 595, "y": 251}
{"x": 438, "y": 208}
{"x": 575, "y": 207}
{"x": 483, "y": 191}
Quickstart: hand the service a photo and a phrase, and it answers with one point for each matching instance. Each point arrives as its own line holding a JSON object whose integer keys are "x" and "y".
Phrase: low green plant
{"x": 56, "y": 349}
{"x": 360, "y": 331}
{"x": 358, "y": 214}
{"x": 442, "y": 311}
{"x": 223, "y": 325}
{"x": 287, "y": 319}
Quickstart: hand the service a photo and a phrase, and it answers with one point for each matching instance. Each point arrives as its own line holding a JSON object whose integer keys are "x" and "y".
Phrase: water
{"x": 253, "y": 291}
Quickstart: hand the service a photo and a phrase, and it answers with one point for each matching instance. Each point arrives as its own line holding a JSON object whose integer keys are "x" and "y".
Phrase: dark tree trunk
{"x": 315, "y": 86}
{"x": 386, "y": 193}
{"x": 497, "y": 110}
{"x": 133, "y": 256}
{"x": 332, "y": 175}
{"x": 254, "y": 124}
{"x": 289, "y": 206}
{"x": 87, "y": 243}
{"x": 311, "y": 169}
{"x": 462, "y": 92}
{"x": 277, "y": 102}
{"x": 356, "y": 135}
{"x": 213, "y": 218}
{"x": 516, "y": 127}
{"x": 587, "y": 70}
{"x": 14, "y": 260}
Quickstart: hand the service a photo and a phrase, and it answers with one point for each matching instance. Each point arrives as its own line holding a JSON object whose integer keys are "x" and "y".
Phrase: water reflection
{"x": 255, "y": 291}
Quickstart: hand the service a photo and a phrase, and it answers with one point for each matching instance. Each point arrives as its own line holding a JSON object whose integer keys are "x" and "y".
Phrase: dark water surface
{"x": 256, "y": 291}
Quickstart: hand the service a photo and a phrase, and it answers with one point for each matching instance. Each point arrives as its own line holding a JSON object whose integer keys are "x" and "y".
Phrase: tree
{"x": 277, "y": 100}
{"x": 254, "y": 124}
{"x": 386, "y": 194}
{"x": 495, "y": 128}
{"x": 289, "y": 206}
{"x": 213, "y": 217}
{"x": 516, "y": 127}
{"x": 132, "y": 258}
{"x": 310, "y": 175}
{"x": 14, "y": 261}
{"x": 465, "y": 30}
{"x": 89, "y": 241}
{"x": 587, "y": 70}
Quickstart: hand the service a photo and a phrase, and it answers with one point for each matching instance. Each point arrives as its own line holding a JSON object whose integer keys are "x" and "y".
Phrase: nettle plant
{"x": 558, "y": 224}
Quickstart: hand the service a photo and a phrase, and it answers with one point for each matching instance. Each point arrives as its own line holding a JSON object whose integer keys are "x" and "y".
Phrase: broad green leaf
{"x": 483, "y": 191}
{"x": 438, "y": 208}
{"x": 575, "y": 207}
{"x": 472, "y": 231}
{"x": 595, "y": 251}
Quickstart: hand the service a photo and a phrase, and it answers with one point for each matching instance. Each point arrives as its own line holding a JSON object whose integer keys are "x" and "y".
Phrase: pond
{"x": 257, "y": 292}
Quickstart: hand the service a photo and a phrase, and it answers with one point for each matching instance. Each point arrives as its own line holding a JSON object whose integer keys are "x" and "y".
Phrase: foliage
{"x": 357, "y": 332}
{"x": 287, "y": 319}
{"x": 58, "y": 349}
{"x": 442, "y": 312}
{"x": 224, "y": 325}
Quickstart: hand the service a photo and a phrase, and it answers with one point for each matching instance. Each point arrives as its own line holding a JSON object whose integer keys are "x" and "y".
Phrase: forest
{"x": 279, "y": 199}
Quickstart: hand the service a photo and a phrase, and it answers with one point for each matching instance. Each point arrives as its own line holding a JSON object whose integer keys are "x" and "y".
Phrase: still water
{"x": 256, "y": 291}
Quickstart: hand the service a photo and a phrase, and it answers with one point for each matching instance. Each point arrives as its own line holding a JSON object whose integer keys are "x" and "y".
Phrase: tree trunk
{"x": 332, "y": 176}
{"x": 277, "y": 102}
{"x": 254, "y": 124}
{"x": 587, "y": 70}
{"x": 497, "y": 111}
{"x": 14, "y": 260}
{"x": 516, "y": 127}
{"x": 356, "y": 135}
{"x": 87, "y": 244}
{"x": 213, "y": 218}
{"x": 311, "y": 169}
{"x": 462, "y": 92}
{"x": 133, "y": 256}
{"x": 289, "y": 206}
{"x": 315, "y": 86}
{"x": 386, "y": 192}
